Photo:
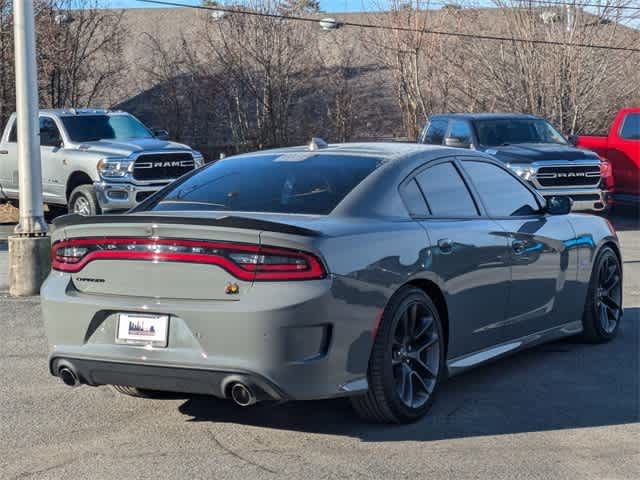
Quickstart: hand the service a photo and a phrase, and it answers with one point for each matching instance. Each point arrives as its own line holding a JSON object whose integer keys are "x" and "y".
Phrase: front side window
{"x": 49, "y": 133}
{"x": 460, "y": 130}
{"x": 281, "y": 183}
{"x": 510, "y": 131}
{"x": 501, "y": 193}
{"x": 90, "y": 128}
{"x": 631, "y": 127}
{"x": 445, "y": 191}
{"x": 13, "y": 134}
{"x": 435, "y": 132}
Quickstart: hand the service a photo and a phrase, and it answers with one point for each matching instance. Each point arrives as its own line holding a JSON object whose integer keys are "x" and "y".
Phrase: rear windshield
{"x": 283, "y": 183}
{"x": 89, "y": 128}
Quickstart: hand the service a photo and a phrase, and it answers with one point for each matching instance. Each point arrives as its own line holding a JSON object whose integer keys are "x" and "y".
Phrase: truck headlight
{"x": 114, "y": 167}
{"x": 525, "y": 172}
{"x": 198, "y": 159}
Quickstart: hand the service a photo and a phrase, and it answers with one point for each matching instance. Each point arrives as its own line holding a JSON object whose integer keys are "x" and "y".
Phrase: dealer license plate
{"x": 135, "y": 329}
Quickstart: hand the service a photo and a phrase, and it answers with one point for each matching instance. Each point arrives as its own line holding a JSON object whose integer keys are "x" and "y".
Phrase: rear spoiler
{"x": 227, "y": 221}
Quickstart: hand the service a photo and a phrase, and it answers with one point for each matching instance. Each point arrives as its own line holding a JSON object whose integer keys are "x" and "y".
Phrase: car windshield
{"x": 499, "y": 132}
{"x": 299, "y": 182}
{"x": 88, "y": 128}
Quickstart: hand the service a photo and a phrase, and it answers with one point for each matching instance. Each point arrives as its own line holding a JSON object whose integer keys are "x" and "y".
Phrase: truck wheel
{"x": 83, "y": 201}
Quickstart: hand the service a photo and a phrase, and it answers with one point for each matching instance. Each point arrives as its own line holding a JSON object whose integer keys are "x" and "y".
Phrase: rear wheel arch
{"x": 435, "y": 293}
{"x": 613, "y": 247}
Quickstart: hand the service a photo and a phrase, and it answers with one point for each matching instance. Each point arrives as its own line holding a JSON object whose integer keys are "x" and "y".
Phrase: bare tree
{"x": 80, "y": 52}
{"x": 419, "y": 60}
{"x": 576, "y": 88}
{"x": 267, "y": 65}
{"x": 7, "y": 81}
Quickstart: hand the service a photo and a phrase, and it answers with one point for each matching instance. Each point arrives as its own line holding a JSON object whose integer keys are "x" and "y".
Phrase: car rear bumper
{"x": 296, "y": 344}
{"x": 164, "y": 378}
{"x": 593, "y": 199}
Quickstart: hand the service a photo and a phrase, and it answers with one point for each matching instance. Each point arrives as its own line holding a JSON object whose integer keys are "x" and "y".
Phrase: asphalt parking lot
{"x": 561, "y": 411}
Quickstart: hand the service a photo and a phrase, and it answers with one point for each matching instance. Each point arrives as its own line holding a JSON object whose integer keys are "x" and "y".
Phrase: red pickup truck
{"x": 621, "y": 148}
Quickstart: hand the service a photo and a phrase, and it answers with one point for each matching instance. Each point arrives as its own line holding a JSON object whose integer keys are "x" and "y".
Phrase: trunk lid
{"x": 191, "y": 258}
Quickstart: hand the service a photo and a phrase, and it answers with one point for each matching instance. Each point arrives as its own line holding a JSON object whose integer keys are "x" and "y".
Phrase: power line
{"x": 396, "y": 28}
{"x": 605, "y": 6}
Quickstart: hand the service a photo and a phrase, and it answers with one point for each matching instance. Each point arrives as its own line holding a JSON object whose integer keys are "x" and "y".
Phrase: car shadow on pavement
{"x": 562, "y": 385}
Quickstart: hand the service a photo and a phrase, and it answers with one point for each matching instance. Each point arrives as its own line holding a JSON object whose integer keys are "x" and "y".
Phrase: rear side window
{"x": 297, "y": 182}
{"x": 631, "y": 127}
{"x": 413, "y": 199}
{"x": 435, "y": 132}
{"x": 445, "y": 191}
{"x": 501, "y": 194}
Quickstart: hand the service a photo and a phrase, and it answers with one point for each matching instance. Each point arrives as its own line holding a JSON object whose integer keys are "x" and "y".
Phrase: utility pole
{"x": 29, "y": 257}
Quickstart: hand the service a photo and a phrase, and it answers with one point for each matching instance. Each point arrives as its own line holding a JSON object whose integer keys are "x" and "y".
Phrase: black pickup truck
{"x": 532, "y": 148}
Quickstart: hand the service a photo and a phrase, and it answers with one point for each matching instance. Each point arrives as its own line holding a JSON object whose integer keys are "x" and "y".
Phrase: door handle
{"x": 445, "y": 245}
{"x": 517, "y": 246}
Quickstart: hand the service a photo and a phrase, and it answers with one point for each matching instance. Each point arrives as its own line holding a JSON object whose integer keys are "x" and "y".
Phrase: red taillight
{"x": 246, "y": 262}
{"x": 606, "y": 173}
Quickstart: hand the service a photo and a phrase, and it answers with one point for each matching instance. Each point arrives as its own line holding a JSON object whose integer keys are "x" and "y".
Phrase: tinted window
{"x": 497, "y": 132}
{"x": 13, "y": 134}
{"x": 631, "y": 127}
{"x": 460, "y": 130}
{"x": 413, "y": 199}
{"x": 49, "y": 133}
{"x": 446, "y": 193}
{"x": 501, "y": 194}
{"x": 284, "y": 183}
{"x": 435, "y": 132}
{"x": 88, "y": 128}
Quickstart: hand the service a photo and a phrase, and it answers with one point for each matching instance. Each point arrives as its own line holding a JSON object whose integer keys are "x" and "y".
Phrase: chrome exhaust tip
{"x": 243, "y": 395}
{"x": 68, "y": 377}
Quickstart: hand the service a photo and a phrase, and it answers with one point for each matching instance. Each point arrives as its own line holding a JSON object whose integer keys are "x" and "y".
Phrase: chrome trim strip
{"x": 464, "y": 362}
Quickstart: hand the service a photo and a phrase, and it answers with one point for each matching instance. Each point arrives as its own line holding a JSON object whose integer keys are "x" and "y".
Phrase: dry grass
{"x": 8, "y": 213}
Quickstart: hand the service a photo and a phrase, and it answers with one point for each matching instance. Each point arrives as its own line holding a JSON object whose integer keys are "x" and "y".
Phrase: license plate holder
{"x": 142, "y": 329}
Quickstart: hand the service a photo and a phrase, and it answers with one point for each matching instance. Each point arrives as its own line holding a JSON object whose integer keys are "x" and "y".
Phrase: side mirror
{"x": 456, "y": 142}
{"x": 160, "y": 133}
{"x": 573, "y": 140}
{"x": 559, "y": 205}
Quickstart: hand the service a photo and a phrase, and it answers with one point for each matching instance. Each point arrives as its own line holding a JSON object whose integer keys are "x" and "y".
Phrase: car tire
{"x": 83, "y": 201}
{"x": 603, "y": 305}
{"x": 406, "y": 362}
{"x": 142, "y": 392}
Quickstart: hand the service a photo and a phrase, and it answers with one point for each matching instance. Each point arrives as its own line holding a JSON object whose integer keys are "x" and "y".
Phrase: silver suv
{"x": 97, "y": 160}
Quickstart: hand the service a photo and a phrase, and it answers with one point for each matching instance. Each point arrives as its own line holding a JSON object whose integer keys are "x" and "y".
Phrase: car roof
{"x": 486, "y": 116}
{"x": 72, "y": 112}
{"x": 385, "y": 151}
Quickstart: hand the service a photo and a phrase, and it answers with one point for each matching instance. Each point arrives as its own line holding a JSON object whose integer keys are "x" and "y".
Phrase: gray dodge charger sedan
{"x": 372, "y": 271}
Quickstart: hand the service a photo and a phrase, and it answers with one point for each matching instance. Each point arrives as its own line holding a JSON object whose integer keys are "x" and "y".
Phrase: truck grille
{"x": 161, "y": 166}
{"x": 569, "y": 176}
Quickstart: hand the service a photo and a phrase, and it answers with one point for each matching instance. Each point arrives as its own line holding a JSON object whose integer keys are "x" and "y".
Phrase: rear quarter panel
{"x": 591, "y": 234}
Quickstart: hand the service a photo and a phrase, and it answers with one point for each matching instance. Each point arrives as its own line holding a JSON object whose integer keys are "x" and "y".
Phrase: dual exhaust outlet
{"x": 241, "y": 394}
